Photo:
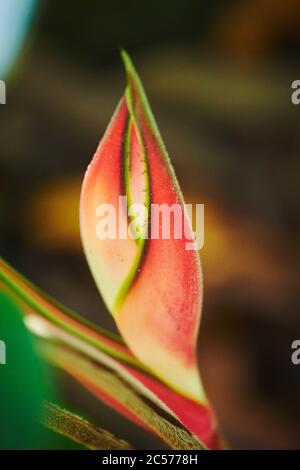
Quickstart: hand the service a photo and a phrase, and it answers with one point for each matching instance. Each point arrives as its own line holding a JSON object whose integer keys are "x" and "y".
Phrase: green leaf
{"x": 23, "y": 383}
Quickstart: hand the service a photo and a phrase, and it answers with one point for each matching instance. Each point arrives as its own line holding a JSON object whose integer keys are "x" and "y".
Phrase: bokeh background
{"x": 218, "y": 75}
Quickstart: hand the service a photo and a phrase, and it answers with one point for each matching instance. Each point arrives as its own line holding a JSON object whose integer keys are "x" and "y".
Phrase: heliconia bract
{"x": 151, "y": 286}
{"x": 47, "y": 318}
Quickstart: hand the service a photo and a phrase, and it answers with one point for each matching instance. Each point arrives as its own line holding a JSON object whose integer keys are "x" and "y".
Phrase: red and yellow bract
{"x": 152, "y": 287}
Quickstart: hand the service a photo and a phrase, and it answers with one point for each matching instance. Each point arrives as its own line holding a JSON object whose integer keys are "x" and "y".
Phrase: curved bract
{"x": 151, "y": 285}
{"x": 90, "y": 347}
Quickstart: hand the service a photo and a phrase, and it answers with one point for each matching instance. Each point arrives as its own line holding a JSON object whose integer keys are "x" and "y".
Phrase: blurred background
{"x": 218, "y": 76}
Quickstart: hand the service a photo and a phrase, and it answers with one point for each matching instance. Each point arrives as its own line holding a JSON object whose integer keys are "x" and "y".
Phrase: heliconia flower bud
{"x": 151, "y": 285}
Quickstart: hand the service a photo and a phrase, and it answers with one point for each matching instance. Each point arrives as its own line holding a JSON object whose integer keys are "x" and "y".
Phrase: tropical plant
{"x": 152, "y": 288}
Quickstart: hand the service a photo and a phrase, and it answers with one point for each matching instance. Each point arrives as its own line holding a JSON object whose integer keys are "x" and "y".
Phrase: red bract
{"x": 152, "y": 287}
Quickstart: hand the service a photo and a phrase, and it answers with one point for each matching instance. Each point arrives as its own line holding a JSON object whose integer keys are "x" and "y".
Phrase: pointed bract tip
{"x": 134, "y": 83}
{"x": 129, "y": 67}
{"x": 132, "y": 75}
